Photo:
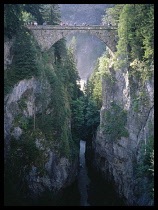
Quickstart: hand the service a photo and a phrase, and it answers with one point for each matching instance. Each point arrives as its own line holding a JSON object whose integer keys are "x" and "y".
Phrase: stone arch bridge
{"x": 47, "y": 35}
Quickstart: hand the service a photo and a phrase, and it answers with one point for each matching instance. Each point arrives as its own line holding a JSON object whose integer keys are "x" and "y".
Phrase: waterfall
{"x": 83, "y": 180}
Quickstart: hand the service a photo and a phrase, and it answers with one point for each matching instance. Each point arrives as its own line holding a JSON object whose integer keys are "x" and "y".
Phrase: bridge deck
{"x": 77, "y": 27}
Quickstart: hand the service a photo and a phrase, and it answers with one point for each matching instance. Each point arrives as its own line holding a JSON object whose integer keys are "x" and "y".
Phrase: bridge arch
{"x": 48, "y": 35}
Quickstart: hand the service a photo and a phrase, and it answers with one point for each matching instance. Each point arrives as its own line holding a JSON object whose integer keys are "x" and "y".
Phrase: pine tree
{"x": 25, "y": 56}
{"x": 12, "y": 17}
{"x": 36, "y": 11}
{"x": 51, "y": 14}
{"x": 136, "y": 33}
{"x": 112, "y": 14}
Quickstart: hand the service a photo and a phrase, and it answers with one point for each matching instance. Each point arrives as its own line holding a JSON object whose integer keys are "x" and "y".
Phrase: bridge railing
{"x": 70, "y": 27}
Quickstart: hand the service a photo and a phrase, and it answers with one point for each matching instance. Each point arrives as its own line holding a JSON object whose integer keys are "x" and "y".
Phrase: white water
{"x": 83, "y": 180}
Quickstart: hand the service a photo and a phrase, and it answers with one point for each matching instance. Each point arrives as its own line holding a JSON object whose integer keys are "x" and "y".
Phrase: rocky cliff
{"x": 36, "y": 160}
{"x": 126, "y": 124}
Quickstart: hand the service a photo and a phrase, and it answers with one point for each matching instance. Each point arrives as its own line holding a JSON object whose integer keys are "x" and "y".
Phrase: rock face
{"x": 57, "y": 169}
{"x": 34, "y": 159}
{"x": 7, "y": 52}
{"x": 117, "y": 147}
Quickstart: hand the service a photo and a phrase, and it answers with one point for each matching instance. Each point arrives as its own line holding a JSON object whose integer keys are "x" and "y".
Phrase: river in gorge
{"x": 90, "y": 189}
{"x": 83, "y": 179}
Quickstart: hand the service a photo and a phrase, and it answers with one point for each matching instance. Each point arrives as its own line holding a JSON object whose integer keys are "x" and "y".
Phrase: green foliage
{"x": 59, "y": 50}
{"x": 22, "y": 104}
{"x": 18, "y": 118}
{"x": 27, "y": 17}
{"x": 135, "y": 104}
{"x": 23, "y": 153}
{"x": 142, "y": 70}
{"x": 24, "y": 124}
{"x": 77, "y": 108}
{"x": 16, "y": 14}
{"x": 58, "y": 89}
{"x": 92, "y": 116}
{"x": 41, "y": 13}
{"x": 94, "y": 85}
{"x": 63, "y": 79}
{"x": 91, "y": 119}
{"x": 140, "y": 101}
{"x": 144, "y": 170}
{"x": 54, "y": 125}
{"x": 26, "y": 148}
{"x": 72, "y": 45}
{"x": 93, "y": 95}
{"x": 50, "y": 14}
{"x": 35, "y": 11}
{"x": 25, "y": 56}
{"x": 112, "y": 14}
{"x": 72, "y": 76}
{"x": 12, "y": 16}
{"x": 24, "y": 64}
{"x": 115, "y": 121}
{"x": 9, "y": 80}
{"x": 136, "y": 33}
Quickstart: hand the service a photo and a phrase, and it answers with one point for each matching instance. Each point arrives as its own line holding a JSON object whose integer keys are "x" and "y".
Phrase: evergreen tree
{"x": 112, "y": 15}
{"x": 91, "y": 113}
{"x": 92, "y": 118}
{"x": 25, "y": 56}
{"x": 12, "y": 18}
{"x": 59, "y": 49}
{"x": 36, "y": 11}
{"x": 77, "y": 107}
{"x": 51, "y": 14}
{"x": 73, "y": 82}
{"x": 136, "y": 33}
{"x": 145, "y": 27}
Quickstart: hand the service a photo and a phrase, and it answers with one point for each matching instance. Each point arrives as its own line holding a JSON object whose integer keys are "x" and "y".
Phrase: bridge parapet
{"x": 77, "y": 27}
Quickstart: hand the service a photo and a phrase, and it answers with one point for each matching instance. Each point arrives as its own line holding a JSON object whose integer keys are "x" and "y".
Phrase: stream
{"x": 83, "y": 179}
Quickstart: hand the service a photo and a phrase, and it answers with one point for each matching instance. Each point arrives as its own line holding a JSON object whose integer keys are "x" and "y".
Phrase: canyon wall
{"x": 126, "y": 124}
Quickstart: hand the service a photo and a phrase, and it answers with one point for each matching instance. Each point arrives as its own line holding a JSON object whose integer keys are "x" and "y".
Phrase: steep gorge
{"x": 46, "y": 115}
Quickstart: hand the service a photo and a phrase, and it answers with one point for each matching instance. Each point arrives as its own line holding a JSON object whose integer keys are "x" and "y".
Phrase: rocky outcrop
{"x": 58, "y": 172}
{"x": 117, "y": 146}
{"x": 8, "y": 55}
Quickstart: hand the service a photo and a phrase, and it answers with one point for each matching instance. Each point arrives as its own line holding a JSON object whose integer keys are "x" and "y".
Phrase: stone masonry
{"x": 47, "y": 35}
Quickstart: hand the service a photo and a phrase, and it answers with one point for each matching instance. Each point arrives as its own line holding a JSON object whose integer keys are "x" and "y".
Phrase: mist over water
{"x": 88, "y": 49}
